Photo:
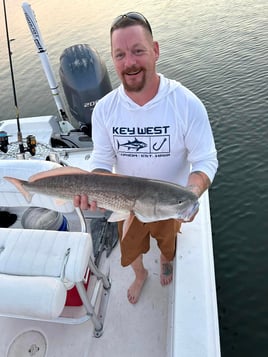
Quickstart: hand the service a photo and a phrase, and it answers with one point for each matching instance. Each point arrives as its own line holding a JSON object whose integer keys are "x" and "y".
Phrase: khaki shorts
{"x": 137, "y": 239}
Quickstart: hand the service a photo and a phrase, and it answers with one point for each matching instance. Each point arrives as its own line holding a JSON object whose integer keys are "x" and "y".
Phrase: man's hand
{"x": 192, "y": 218}
{"x": 81, "y": 201}
{"x": 198, "y": 182}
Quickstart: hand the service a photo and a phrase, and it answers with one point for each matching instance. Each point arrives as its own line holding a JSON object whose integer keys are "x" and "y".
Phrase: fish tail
{"x": 19, "y": 185}
{"x": 118, "y": 144}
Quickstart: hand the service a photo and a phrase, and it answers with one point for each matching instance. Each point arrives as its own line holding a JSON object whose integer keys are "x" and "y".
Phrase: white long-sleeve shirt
{"x": 165, "y": 139}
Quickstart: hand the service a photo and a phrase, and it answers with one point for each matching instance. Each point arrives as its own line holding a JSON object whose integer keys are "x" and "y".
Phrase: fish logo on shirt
{"x": 133, "y": 145}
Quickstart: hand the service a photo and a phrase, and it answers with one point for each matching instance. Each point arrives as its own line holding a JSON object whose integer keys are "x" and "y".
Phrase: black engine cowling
{"x": 85, "y": 80}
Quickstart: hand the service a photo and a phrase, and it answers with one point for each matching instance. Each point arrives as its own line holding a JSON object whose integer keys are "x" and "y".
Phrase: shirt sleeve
{"x": 199, "y": 139}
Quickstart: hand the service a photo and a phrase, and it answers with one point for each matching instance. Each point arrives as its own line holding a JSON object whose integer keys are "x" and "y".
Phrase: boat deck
{"x": 185, "y": 311}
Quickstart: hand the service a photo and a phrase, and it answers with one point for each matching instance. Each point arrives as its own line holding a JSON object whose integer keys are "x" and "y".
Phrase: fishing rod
{"x": 35, "y": 31}
{"x": 19, "y": 134}
{"x": 30, "y": 140}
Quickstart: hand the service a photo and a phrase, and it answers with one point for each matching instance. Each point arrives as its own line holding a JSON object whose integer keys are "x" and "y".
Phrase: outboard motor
{"x": 85, "y": 80}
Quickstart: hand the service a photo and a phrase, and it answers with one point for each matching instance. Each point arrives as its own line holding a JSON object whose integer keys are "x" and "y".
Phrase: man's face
{"x": 134, "y": 54}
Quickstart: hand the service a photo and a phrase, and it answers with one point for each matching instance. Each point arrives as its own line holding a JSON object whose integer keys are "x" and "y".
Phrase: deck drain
{"x": 28, "y": 344}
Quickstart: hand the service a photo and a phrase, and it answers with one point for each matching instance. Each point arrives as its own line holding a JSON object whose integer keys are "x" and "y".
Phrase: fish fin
{"x": 143, "y": 218}
{"x": 19, "y": 185}
{"x": 118, "y": 216}
{"x": 127, "y": 217}
{"x": 60, "y": 201}
{"x": 64, "y": 170}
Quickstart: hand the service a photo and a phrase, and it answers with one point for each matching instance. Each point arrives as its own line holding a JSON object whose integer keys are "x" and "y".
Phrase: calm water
{"x": 217, "y": 48}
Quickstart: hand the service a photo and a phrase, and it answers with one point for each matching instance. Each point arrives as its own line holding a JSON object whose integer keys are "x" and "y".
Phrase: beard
{"x": 133, "y": 85}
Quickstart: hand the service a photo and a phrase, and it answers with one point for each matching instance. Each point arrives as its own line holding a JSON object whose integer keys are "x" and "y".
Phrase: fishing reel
{"x": 31, "y": 144}
{"x": 3, "y": 141}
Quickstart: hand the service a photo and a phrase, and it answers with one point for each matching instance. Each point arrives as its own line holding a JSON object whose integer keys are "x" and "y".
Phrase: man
{"x": 152, "y": 127}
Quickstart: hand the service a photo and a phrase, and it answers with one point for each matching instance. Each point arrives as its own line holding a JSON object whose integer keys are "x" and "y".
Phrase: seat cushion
{"x": 35, "y": 297}
{"x": 30, "y": 252}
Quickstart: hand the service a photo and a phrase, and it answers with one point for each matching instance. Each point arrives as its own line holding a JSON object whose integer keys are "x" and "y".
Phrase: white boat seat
{"x": 44, "y": 253}
{"x": 34, "y": 266}
{"x": 37, "y": 267}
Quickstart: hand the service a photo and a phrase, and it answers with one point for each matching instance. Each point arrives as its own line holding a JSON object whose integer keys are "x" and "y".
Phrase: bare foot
{"x": 135, "y": 288}
{"x": 166, "y": 271}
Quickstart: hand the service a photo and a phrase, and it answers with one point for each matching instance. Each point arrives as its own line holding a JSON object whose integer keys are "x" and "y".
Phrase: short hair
{"x": 130, "y": 19}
